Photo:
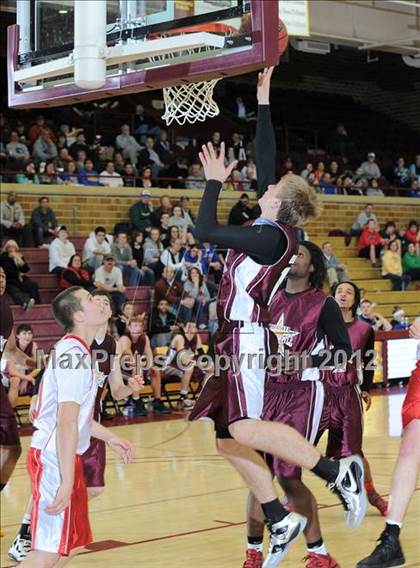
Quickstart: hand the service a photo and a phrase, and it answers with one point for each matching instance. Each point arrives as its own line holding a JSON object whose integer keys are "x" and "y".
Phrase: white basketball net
{"x": 190, "y": 102}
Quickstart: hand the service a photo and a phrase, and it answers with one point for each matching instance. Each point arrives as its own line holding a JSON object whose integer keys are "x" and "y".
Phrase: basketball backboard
{"x": 149, "y": 44}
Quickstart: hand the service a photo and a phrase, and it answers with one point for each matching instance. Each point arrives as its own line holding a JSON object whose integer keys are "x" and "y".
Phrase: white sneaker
{"x": 283, "y": 534}
{"x": 350, "y": 488}
{"x": 185, "y": 403}
{"x": 20, "y": 548}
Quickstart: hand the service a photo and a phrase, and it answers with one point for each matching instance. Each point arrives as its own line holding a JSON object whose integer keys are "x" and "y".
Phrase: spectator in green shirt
{"x": 411, "y": 262}
{"x": 141, "y": 213}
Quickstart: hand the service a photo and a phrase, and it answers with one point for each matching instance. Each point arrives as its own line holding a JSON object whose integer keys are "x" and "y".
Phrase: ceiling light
{"x": 62, "y": 11}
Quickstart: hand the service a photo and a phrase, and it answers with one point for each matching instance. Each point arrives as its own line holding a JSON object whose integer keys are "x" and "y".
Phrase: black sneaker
{"x": 387, "y": 553}
{"x": 139, "y": 408}
{"x": 160, "y": 408}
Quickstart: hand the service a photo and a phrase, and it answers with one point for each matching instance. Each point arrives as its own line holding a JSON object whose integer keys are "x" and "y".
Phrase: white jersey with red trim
{"x": 68, "y": 378}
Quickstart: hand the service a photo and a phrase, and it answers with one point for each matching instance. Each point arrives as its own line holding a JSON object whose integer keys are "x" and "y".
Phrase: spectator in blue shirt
{"x": 401, "y": 174}
{"x": 88, "y": 176}
{"x": 326, "y": 186}
{"x": 414, "y": 189}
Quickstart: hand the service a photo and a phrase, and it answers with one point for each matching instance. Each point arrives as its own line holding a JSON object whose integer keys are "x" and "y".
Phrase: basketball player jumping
{"x": 305, "y": 321}
{"x": 106, "y": 353}
{"x": 259, "y": 257}
{"x": 389, "y": 552}
{"x": 64, "y": 424}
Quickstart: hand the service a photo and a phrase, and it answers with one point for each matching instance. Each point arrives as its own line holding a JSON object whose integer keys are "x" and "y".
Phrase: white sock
{"x": 183, "y": 392}
{"x": 391, "y": 522}
{"x": 319, "y": 549}
{"x": 26, "y": 519}
{"x": 258, "y": 547}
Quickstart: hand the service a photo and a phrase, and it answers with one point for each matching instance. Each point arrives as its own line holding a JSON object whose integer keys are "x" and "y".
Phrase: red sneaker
{"x": 320, "y": 561}
{"x": 378, "y": 502}
{"x": 254, "y": 559}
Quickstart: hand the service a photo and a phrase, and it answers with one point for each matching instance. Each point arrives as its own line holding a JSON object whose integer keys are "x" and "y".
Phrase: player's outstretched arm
{"x": 265, "y": 139}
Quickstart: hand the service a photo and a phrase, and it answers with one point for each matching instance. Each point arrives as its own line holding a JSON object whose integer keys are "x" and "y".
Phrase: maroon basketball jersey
{"x": 294, "y": 321}
{"x": 6, "y": 321}
{"x": 108, "y": 346}
{"x": 138, "y": 347}
{"x": 189, "y": 343}
{"x": 247, "y": 288}
{"x": 359, "y": 332}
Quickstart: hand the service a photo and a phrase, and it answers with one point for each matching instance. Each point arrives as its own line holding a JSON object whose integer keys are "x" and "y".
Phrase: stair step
{"x": 365, "y": 274}
{"x": 412, "y": 310}
{"x": 395, "y": 298}
{"x": 374, "y": 284}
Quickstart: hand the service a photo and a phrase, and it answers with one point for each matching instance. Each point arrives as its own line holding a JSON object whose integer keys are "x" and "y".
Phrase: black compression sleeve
{"x": 331, "y": 324}
{"x": 367, "y": 362}
{"x": 263, "y": 243}
{"x": 265, "y": 149}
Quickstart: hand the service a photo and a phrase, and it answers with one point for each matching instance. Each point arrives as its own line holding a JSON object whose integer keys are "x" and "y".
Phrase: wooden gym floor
{"x": 180, "y": 505}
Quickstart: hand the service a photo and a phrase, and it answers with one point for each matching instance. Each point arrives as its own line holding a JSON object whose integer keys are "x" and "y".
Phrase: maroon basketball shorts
{"x": 299, "y": 405}
{"x": 343, "y": 404}
{"x": 411, "y": 406}
{"x": 93, "y": 461}
{"x": 236, "y": 391}
{"x": 9, "y": 435}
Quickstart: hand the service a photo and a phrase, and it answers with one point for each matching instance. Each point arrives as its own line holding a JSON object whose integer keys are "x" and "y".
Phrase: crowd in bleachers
{"x": 42, "y": 152}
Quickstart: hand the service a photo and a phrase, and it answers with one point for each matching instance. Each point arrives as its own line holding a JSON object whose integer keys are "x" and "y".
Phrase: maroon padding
{"x": 264, "y": 52}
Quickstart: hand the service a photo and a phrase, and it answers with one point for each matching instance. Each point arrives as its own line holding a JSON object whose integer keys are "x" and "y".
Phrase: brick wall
{"x": 82, "y": 209}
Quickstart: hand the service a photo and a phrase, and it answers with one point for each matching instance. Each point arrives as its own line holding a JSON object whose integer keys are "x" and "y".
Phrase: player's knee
{"x": 243, "y": 431}
{"x": 95, "y": 491}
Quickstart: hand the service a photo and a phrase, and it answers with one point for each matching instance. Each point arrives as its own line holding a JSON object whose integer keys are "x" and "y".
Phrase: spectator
{"x": 88, "y": 175}
{"x": 326, "y": 186}
{"x": 195, "y": 179}
{"x": 44, "y": 148}
{"x": 177, "y": 219}
{"x": 119, "y": 163}
{"x": 149, "y": 157}
{"x": 195, "y": 288}
{"x": 399, "y": 320}
{"x": 164, "y": 207}
{"x": 287, "y": 167}
{"x": 20, "y": 129}
{"x": 242, "y": 112}
{"x": 164, "y": 229}
{"x": 211, "y": 261}
{"x": 172, "y": 234}
{"x": 100, "y": 158}
{"x": 167, "y": 288}
{"x": 122, "y": 319}
{"x": 96, "y": 247}
{"x": 414, "y": 189}
{"x": 389, "y": 234}
{"x": 81, "y": 161}
{"x": 128, "y": 144}
{"x": 411, "y": 234}
{"x": 70, "y": 176}
{"x": 162, "y": 325}
{"x": 173, "y": 257}
{"x": 69, "y": 134}
{"x": 241, "y": 212}
{"x": 236, "y": 150}
{"x": 75, "y": 275}
{"x": 415, "y": 169}
{"x": 411, "y": 262}
{"x": 108, "y": 277}
{"x": 392, "y": 267}
{"x": 29, "y": 176}
{"x": 144, "y": 124}
{"x": 163, "y": 148}
{"x": 362, "y": 220}
{"x": 12, "y": 219}
{"x": 145, "y": 180}
{"x": 250, "y": 177}
{"x": 216, "y": 140}
{"x": 370, "y": 169}
{"x": 36, "y": 130}
{"x": 141, "y": 213}
{"x": 22, "y": 289}
{"x": 60, "y": 251}
{"x": 17, "y": 151}
{"x": 123, "y": 254}
{"x": 370, "y": 244}
{"x": 235, "y": 182}
{"x": 401, "y": 174}
{"x": 192, "y": 258}
{"x": 319, "y": 172}
{"x": 177, "y": 172}
{"x": 153, "y": 248}
{"x": 129, "y": 176}
{"x": 376, "y": 320}
{"x": 78, "y": 145}
{"x": 373, "y": 189}
{"x": 137, "y": 248}
{"x": 109, "y": 177}
{"x": 308, "y": 170}
{"x": 334, "y": 171}
{"x": 336, "y": 272}
{"x": 44, "y": 222}
{"x": 50, "y": 177}
{"x": 61, "y": 143}
{"x": 184, "y": 202}
{"x": 63, "y": 159}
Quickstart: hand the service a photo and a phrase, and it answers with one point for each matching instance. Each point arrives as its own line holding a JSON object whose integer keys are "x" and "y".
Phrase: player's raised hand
{"x": 136, "y": 383}
{"x": 61, "y": 501}
{"x": 123, "y": 448}
{"x": 213, "y": 165}
{"x": 263, "y": 86}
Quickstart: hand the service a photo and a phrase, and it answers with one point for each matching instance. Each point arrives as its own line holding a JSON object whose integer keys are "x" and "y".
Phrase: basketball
{"x": 283, "y": 38}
